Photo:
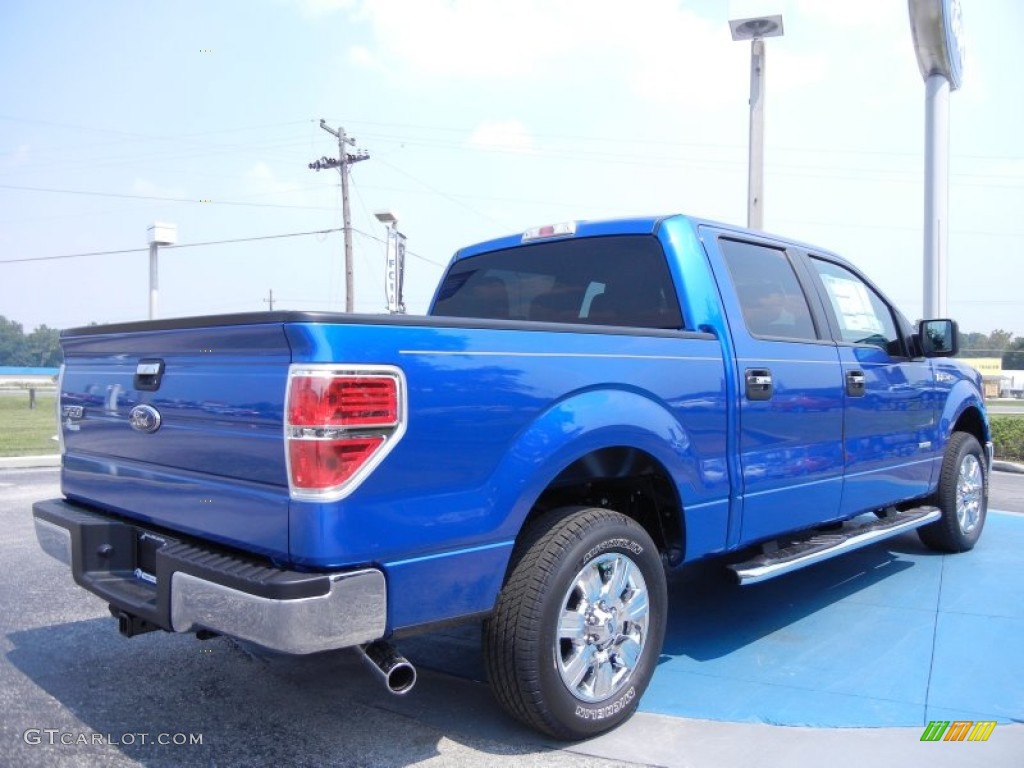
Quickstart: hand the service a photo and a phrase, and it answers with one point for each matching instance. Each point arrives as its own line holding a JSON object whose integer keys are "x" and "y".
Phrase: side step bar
{"x": 827, "y": 545}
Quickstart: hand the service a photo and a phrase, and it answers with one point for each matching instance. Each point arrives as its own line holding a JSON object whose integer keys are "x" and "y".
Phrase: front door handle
{"x": 855, "y": 383}
{"x": 759, "y": 384}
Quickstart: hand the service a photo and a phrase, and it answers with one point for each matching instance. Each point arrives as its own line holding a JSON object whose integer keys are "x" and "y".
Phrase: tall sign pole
{"x": 937, "y": 27}
{"x": 394, "y": 262}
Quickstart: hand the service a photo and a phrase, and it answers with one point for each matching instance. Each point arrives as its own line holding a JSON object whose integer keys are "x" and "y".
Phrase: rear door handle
{"x": 855, "y": 384}
{"x": 759, "y": 384}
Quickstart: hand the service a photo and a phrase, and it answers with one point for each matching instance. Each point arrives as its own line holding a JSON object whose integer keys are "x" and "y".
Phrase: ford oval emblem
{"x": 144, "y": 418}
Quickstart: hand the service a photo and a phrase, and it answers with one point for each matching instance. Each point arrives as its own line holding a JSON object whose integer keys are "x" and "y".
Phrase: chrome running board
{"x": 823, "y": 546}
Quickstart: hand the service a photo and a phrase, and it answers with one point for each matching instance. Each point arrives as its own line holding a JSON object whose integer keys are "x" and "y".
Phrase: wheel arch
{"x": 628, "y": 480}
{"x": 580, "y": 452}
{"x": 971, "y": 421}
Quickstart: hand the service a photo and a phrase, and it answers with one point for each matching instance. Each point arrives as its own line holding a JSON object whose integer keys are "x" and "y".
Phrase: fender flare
{"x": 961, "y": 398}
{"x": 578, "y": 425}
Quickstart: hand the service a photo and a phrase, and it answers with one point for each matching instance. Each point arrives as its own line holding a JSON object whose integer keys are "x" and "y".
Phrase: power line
{"x": 445, "y": 195}
{"x": 73, "y": 255}
{"x": 164, "y": 199}
{"x": 408, "y": 252}
{"x": 180, "y": 245}
{"x": 251, "y": 239}
{"x": 575, "y": 138}
{"x": 178, "y": 137}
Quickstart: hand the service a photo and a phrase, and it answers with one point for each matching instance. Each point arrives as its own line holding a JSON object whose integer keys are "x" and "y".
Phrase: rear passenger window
{"x": 773, "y": 304}
{"x": 620, "y": 280}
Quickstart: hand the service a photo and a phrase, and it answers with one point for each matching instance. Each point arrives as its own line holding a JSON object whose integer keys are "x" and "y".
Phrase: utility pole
{"x": 345, "y": 159}
{"x": 270, "y": 301}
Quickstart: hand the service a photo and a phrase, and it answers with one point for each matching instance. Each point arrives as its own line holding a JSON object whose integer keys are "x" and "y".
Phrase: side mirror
{"x": 939, "y": 338}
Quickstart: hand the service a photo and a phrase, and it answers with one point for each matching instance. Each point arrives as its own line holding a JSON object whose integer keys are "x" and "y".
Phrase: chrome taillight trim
{"x": 392, "y": 435}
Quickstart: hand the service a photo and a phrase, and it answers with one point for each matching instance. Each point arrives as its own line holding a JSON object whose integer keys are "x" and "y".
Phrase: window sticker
{"x": 853, "y": 305}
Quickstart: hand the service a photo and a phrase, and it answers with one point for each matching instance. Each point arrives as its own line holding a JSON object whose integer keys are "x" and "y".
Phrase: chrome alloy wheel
{"x": 602, "y": 628}
{"x": 970, "y": 486}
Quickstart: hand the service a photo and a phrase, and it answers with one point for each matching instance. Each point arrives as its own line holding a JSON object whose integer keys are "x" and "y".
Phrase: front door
{"x": 890, "y": 422}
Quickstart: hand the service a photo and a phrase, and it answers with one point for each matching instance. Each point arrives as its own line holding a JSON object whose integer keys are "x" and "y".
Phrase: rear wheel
{"x": 579, "y": 624}
{"x": 962, "y": 496}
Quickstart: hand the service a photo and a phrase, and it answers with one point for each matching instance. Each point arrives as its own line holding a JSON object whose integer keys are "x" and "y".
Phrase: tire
{"x": 962, "y": 496}
{"x": 578, "y": 627}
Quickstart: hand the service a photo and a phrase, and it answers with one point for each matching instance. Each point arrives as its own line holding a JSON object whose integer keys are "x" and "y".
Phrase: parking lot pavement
{"x": 65, "y": 674}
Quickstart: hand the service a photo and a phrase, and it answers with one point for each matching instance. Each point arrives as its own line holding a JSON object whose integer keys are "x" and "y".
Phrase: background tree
{"x": 39, "y": 349}
{"x": 12, "y": 342}
{"x": 985, "y": 344}
{"x": 42, "y": 348}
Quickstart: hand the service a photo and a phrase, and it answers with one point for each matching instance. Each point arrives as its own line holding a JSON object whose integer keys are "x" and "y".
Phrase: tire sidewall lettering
{"x": 623, "y": 544}
{"x": 585, "y": 712}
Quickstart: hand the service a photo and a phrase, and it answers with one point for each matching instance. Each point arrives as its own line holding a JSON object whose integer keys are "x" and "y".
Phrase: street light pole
{"x": 158, "y": 234}
{"x": 755, "y": 152}
{"x": 755, "y": 30}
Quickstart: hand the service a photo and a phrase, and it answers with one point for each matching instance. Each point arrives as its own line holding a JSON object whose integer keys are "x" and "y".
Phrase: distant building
{"x": 991, "y": 370}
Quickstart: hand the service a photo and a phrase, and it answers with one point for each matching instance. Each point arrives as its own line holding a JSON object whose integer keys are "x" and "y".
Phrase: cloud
{"x": 501, "y": 135}
{"x": 363, "y": 57}
{"x": 863, "y": 13}
{"x": 468, "y": 38}
{"x": 152, "y": 189}
{"x": 664, "y": 50}
{"x": 263, "y": 185}
{"x": 20, "y": 156}
{"x": 318, "y": 8}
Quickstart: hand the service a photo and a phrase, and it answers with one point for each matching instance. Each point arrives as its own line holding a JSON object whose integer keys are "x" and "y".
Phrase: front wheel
{"x": 962, "y": 496}
{"x": 578, "y": 627}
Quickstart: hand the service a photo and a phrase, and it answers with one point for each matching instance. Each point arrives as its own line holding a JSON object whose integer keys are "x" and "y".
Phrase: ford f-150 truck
{"x": 587, "y": 406}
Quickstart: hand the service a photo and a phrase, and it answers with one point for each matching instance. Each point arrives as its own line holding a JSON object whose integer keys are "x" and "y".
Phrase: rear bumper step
{"x": 150, "y": 578}
{"x": 824, "y": 546}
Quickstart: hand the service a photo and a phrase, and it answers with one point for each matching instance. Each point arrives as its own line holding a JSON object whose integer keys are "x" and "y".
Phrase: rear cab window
{"x": 620, "y": 280}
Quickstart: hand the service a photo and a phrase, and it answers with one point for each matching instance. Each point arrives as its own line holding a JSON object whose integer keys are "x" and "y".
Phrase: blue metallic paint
{"x": 495, "y": 414}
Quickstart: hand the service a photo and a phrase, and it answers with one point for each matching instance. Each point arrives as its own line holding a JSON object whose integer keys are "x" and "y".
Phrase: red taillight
{"x": 348, "y": 401}
{"x": 339, "y": 422}
{"x": 323, "y": 464}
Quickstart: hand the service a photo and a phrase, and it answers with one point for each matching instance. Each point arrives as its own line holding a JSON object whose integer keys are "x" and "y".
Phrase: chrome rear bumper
{"x": 187, "y": 586}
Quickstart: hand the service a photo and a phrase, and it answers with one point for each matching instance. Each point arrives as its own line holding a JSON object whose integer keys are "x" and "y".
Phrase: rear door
{"x": 790, "y": 387}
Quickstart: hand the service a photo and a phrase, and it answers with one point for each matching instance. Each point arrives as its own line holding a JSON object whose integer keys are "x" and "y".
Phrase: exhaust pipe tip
{"x": 396, "y": 672}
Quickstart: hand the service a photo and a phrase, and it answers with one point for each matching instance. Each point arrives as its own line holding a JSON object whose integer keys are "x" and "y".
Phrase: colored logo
{"x": 958, "y": 730}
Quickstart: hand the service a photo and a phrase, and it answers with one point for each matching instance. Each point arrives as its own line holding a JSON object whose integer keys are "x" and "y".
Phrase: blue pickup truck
{"x": 587, "y": 406}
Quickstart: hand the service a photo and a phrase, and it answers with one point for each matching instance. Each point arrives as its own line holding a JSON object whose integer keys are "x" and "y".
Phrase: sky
{"x": 482, "y": 118}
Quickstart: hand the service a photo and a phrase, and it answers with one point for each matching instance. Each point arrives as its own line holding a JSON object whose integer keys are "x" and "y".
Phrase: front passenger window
{"x": 864, "y": 318}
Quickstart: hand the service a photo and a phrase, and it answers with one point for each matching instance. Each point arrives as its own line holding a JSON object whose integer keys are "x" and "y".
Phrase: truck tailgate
{"x": 181, "y": 428}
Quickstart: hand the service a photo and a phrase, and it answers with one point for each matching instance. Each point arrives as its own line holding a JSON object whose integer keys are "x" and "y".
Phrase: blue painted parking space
{"x": 891, "y": 635}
